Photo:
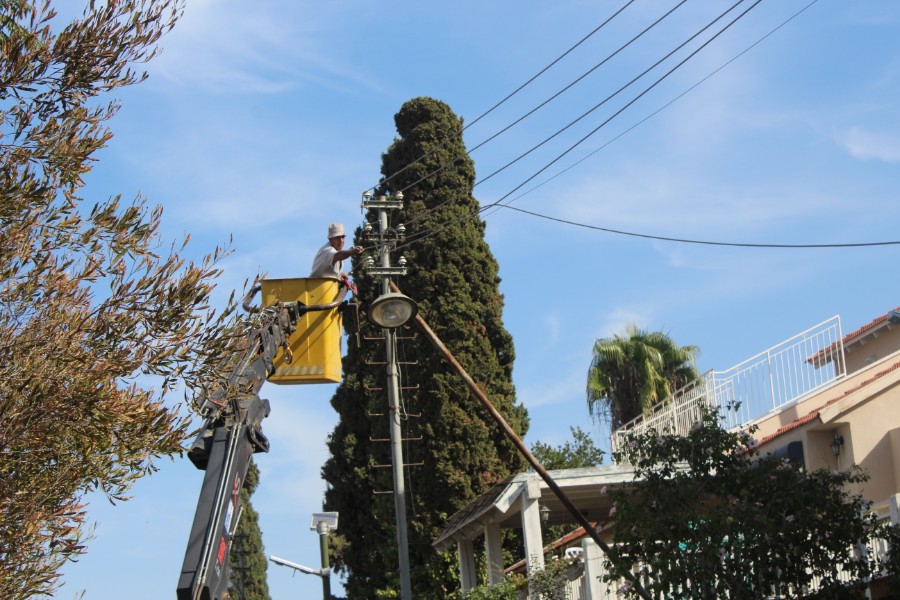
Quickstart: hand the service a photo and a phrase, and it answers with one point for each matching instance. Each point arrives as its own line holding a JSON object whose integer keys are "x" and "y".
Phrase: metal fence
{"x": 876, "y": 549}
{"x": 767, "y": 382}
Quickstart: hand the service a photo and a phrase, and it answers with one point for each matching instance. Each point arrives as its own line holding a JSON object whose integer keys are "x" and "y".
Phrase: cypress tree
{"x": 247, "y": 559}
{"x": 454, "y": 278}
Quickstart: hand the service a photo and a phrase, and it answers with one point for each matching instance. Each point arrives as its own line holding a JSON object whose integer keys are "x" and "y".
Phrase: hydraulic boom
{"x": 231, "y": 434}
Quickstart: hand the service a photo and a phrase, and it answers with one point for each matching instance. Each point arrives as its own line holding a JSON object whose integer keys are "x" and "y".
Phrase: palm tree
{"x": 630, "y": 374}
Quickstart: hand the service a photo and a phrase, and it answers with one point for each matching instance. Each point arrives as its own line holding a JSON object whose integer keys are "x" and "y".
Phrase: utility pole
{"x": 391, "y": 311}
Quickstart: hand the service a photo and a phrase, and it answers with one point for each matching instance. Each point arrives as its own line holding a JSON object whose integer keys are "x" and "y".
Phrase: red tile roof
{"x": 826, "y": 352}
{"x": 871, "y": 325}
{"x": 814, "y": 414}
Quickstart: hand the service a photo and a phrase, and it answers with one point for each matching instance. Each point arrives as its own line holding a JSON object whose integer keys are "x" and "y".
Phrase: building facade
{"x": 825, "y": 399}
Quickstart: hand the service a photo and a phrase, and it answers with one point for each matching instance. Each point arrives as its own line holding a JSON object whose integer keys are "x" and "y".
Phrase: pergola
{"x": 520, "y": 501}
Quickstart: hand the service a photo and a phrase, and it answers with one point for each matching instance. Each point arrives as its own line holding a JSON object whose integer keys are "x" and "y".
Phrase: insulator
{"x": 402, "y": 261}
{"x": 401, "y": 229}
{"x": 369, "y": 261}
{"x": 399, "y": 196}
{"x": 367, "y": 194}
{"x": 367, "y": 228}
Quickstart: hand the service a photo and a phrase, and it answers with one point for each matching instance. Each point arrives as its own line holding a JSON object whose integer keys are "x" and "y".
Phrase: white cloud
{"x": 709, "y": 276}
{"x": 553, "y": 328}
{"x": 657, "y": 200}
{"x": 228, "y": 174}
{"x": 619, "y": 318}
{"x": 552, "y": 391}
{"x": 537, "y": 388}
{"x": 297, "y": 428}
{"x": 867, "y": 145}
{"x": 236, "y": 203}
{"x": 233, "y": 47}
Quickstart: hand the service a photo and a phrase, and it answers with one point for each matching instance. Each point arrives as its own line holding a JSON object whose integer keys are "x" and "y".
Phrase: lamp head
{"x": 326, "y": 521}
{"x": 545, "y": 514}
{"x": 836, "y": 444}
{"x": 392, "y": 310}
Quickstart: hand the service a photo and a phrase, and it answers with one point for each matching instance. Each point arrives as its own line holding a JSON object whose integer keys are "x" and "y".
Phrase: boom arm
{"x": 231, "y": 434}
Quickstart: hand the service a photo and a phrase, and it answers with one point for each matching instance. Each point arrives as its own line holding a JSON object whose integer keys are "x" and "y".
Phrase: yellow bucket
{"x": 316, "y": 341}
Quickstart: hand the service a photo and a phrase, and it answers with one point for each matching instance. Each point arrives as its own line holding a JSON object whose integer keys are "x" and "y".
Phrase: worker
{"x": 330, "y": 257}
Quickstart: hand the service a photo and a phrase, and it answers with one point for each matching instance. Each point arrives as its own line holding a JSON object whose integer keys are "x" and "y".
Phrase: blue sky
{"x": 267, "y": 123}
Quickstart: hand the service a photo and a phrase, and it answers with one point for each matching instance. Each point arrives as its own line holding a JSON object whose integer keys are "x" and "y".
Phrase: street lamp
{"x": 323, "y": 523}
{"x": 298, "y": 567}
{"x": 392, "y": 310}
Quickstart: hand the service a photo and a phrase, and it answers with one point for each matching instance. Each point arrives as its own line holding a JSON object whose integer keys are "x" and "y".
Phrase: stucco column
{"x": 494, "y": 551}
{"x": 468, "y": 577}
{"x": 593, "y": 569}
{"x": 531, "y": 527}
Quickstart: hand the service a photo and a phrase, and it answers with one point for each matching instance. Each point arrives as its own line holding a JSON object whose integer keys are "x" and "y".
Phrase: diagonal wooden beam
{"x": 523, "y": 449}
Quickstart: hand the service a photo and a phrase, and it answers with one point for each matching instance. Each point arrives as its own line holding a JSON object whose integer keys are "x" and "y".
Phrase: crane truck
{"x": 293, "y": 338}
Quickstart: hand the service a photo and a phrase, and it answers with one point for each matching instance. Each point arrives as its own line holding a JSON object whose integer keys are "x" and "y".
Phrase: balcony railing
{"x": 765, "y": 383}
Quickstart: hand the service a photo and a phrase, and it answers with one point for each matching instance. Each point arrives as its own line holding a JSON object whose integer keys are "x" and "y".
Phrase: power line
{"x": 413, "y": 238}
{"x": 550, "y": 99}
{"x": 515, "y": 91}
{"x": 629, "y": 103}
{"x": 701, "y": 242}
{"x": 498, "y": 204}
{"x": 545, "y": 69}
{"x": 664, "y": 106}
{"x": 591, "y": 70}
{"x": 581, "y": 77}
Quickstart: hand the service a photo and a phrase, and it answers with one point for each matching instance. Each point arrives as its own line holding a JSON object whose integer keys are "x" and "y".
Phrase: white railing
{"x": 875, "y": 548}
{"x": 769, "y": 381}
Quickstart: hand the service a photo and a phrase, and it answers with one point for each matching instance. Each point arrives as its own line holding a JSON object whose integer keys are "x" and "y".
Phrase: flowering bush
{"x": 711, "y": 518}
{"x": 548, "y": 584}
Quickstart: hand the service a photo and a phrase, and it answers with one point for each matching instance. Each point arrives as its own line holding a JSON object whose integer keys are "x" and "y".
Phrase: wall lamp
{"x": 836, "y": 444}
{"x": 545, "y": 514}
{"x": 392, "y": 310}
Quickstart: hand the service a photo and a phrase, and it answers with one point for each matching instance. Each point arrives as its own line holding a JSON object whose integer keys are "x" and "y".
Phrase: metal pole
{"x": 393, "y": 387}
{"x": 322, "y": 530}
